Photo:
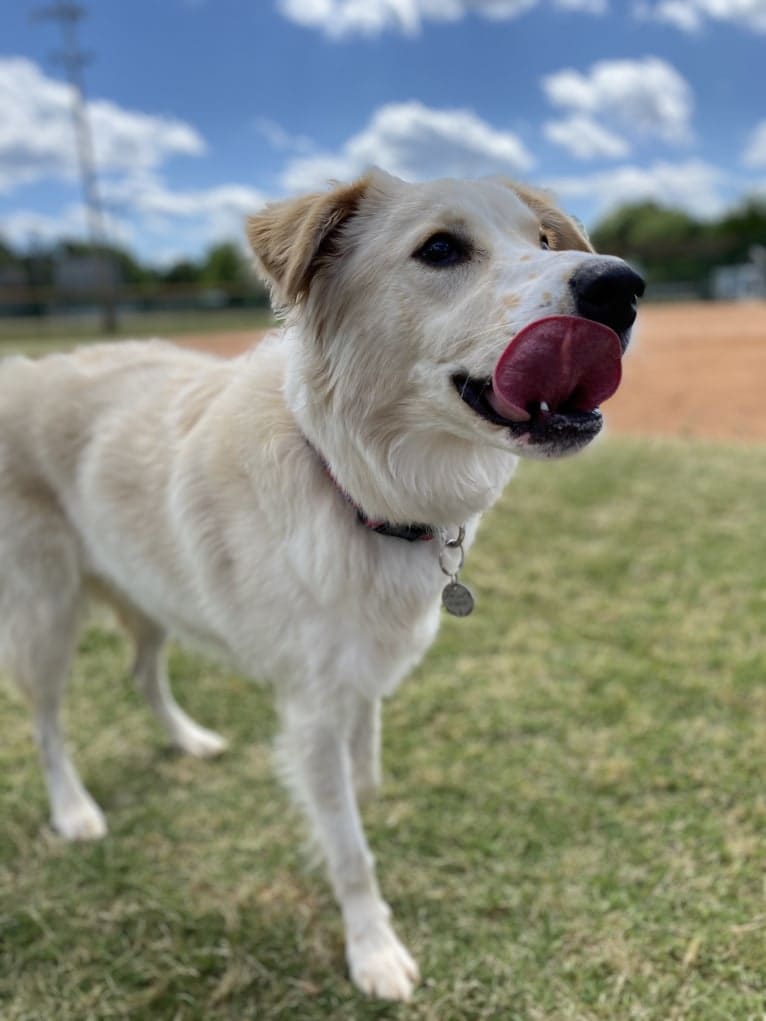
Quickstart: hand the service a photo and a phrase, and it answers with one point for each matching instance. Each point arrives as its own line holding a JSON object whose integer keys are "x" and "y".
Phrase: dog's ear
{"x": 564, "y": 232}
{"x": 290, "y": 238}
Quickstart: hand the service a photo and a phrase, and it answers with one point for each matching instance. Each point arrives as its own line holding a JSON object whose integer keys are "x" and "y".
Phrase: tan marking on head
{"x": 511, "y": 300}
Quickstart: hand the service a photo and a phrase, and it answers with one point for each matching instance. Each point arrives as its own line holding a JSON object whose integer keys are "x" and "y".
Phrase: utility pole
{"x": 73, "y": 60}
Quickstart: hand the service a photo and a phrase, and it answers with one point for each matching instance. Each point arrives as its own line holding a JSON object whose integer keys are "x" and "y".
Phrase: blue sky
{"x": 203, "y": 109}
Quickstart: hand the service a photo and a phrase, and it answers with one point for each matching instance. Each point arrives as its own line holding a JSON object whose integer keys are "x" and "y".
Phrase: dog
{"x": 302, "y": 508}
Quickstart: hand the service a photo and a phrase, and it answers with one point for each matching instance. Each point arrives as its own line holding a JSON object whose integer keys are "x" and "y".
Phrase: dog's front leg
{"x": 365, "y": 747}
{"x": 315, "y": 752}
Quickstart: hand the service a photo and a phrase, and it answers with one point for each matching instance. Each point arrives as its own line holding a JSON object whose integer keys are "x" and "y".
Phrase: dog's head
{"x": 440, "y": 328}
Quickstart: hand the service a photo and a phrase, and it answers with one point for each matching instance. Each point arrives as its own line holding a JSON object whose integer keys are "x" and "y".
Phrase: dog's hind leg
{"x": 150, "y": 673}
{"x": 40, "y": 603}
{"x": 315, "y": 759}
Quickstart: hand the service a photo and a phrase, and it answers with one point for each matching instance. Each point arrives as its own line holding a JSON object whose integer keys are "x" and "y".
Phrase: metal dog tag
{"x": 457, "y": 599}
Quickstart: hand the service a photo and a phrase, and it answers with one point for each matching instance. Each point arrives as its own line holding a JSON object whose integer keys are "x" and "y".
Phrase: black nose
{"x": 606, "y": 292}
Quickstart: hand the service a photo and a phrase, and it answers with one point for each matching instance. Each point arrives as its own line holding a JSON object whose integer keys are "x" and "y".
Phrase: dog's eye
{"x": 544, "y": 243}
{"x": 442, "y": 249}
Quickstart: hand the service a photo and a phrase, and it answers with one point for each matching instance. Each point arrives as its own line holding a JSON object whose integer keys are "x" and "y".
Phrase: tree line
{"x": 673, "y": 247}
{"x": 222, "y": 267}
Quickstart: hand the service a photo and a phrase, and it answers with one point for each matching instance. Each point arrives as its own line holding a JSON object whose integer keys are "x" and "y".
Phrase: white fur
{"x": 187, "y": 491}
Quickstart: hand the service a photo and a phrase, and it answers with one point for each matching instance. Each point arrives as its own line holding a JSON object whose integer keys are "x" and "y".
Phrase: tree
{"x": 671, "y": 246}
{"x": 7, "y": 255}
{"x": 742, "y": 228}
{"x": 182, "y": 272}
{"x": 224, "y": 266}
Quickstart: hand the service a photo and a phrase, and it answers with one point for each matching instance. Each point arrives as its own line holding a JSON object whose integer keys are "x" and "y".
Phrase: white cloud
{"x": 340, "y": 18}
{"x": 205, "y": 215}
{"x": 693, "y": 185}
{"x": 691, "y": 15}
{"x": 36, "y": 143}
{"x": 584, "y": 6}
{"x": 495, "y": 10}
{"x": 148, "y": 196}
{"x": 415, "y": 142}
{"x": 647, "y": 97}
{"x": 280, "y": 139}
{"x": 36, "y": 135}
{"x": 755, "y": 151}
{"x": 145, "y": 213}
{"x": 681, "y": 14}
{"x": 581, "y": 136}
{"x": 26, "y": 228}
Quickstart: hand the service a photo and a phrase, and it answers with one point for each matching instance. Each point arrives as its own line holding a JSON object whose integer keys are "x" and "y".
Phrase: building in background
{"x": 743, "y": 282}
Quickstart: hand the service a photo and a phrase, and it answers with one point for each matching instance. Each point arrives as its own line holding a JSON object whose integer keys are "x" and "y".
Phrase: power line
{"x": 73, "y": 59}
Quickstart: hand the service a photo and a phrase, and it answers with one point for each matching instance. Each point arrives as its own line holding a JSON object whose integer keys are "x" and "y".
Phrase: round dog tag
{"x": 457, "y": 599}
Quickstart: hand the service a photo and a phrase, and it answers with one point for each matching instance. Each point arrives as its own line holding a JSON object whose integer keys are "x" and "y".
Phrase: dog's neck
{"x": 410, "y": 533}
{"x": 411, "y": 475}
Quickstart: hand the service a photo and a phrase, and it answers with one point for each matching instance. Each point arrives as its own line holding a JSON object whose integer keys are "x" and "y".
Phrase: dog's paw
{"x": 82, "y": 820}
{"x": 199, "y": 741}
{"x": 380, "y": 965}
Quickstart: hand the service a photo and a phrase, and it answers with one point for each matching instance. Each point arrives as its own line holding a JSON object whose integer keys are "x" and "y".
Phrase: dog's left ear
{"x": 289, "y": 238}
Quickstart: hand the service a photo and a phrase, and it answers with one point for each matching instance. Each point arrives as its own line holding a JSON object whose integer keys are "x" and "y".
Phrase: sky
{"x": 202, "y": 110}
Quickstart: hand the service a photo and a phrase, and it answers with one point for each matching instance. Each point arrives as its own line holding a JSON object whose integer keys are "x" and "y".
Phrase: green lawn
{"x": 573, "y": 823}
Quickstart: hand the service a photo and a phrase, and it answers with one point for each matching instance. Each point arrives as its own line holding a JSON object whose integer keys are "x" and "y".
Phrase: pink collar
{"x": 411, "y": 533}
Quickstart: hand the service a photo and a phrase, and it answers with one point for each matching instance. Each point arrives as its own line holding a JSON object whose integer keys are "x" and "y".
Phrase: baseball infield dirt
{"x": 692, "y": 370}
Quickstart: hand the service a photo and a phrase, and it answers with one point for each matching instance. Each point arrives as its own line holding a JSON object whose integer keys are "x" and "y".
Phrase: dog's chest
{"x": 383, "y": 632}
{"x": 359, "y": 615}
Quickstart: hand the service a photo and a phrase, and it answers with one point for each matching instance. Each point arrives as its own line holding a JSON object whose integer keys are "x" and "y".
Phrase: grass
{"x": 573, "y": 824}
{"x": 29, "y": 335}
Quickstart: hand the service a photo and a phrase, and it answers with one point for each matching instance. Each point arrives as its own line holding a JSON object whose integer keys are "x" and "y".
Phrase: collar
{"x": 410, "y": 533}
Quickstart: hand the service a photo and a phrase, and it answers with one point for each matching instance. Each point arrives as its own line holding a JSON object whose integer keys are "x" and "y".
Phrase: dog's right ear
{"x": 290, "y": 238}
{"x": 566, "y": 232}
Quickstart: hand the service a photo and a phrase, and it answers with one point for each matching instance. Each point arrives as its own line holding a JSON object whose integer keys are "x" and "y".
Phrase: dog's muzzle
{"x": 549, "y": 381}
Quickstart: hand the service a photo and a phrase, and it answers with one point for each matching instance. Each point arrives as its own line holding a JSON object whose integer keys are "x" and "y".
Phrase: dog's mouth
{"x": 548, "y": 383}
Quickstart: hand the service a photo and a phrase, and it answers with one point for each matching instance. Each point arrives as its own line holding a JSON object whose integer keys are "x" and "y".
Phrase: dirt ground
{"x": 692, "y": 370}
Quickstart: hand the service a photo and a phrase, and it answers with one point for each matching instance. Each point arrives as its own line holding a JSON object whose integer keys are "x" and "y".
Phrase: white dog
{"x": 300, "y": 509}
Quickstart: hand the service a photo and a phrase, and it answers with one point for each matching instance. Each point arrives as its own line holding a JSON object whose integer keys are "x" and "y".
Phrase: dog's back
{"x": 86, "y": 447}
{"x": 52, "y": 408}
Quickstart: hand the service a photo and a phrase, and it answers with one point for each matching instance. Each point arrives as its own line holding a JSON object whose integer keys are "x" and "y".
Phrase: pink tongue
{"x": 562, "y": 360}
